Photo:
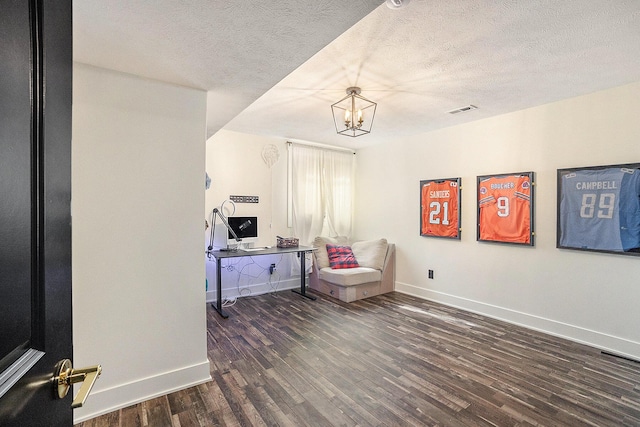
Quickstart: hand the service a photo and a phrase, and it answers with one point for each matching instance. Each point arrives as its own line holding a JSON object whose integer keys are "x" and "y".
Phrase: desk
{"x": 220, "y": 255}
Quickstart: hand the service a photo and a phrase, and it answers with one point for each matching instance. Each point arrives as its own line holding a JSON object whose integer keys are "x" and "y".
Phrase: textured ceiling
{"x": 417, "y": 63}
{"x": 236, "y": 50}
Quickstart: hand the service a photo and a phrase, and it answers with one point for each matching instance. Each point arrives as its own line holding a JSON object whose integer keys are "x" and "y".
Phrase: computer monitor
{"x": 245, "y": 227}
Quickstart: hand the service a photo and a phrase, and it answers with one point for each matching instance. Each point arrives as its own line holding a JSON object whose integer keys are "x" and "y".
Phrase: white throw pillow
{"x": 370, "y": 253}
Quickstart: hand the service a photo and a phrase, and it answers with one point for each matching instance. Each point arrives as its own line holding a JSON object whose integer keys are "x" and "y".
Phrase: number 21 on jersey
{"x": 439, "y": 213}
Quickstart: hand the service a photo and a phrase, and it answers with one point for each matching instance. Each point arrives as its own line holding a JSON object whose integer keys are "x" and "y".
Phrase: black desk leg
{"x": 218, "y": 305}
{"x": 303, "y": 287}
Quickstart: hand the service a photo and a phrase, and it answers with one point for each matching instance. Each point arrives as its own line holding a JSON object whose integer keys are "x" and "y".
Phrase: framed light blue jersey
{"x": 599, "y": 208}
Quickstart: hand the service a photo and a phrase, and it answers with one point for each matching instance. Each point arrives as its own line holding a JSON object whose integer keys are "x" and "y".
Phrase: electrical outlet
{"x": 272, "y": 268}
{"x": 430, "y": 274}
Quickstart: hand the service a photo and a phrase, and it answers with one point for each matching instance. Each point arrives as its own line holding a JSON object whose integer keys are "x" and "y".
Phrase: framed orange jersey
{"x": 440, "y": 207}
{"x": 505, "y": 208}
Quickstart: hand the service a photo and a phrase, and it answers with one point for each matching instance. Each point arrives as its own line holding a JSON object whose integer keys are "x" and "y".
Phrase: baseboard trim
{"x": 102, "y": 402}
{"x": 602, "y": 341}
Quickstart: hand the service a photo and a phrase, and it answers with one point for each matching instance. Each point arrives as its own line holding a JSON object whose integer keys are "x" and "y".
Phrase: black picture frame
{"x": 440, "y": 208}
{"x": 598, "y": 209}
{"x": 505, "y": 208}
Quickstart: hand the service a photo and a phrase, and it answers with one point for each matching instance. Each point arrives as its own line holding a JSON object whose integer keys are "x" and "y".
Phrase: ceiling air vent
{"x": 463, "y": 109}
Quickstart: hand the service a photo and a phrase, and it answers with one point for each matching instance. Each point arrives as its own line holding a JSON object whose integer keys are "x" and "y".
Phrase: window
{"x": 320, "y": 191}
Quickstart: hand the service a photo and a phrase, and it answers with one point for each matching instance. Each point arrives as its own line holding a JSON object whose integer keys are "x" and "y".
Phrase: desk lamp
{"x": 226, "y": 224}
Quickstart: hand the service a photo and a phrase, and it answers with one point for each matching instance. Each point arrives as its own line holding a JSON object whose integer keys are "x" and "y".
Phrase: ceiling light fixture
{"x": 349, "y": 114}
{"x": 397, "y": 4}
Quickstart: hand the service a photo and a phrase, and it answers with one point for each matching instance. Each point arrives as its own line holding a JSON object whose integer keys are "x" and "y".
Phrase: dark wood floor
{"x": 391, "y": 360}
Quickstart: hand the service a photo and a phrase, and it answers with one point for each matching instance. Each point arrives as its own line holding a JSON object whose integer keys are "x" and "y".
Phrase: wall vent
{"x": 463, "y": 109}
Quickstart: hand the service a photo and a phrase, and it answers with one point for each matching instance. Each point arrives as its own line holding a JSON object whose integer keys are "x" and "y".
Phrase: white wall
{"x": 236, "y": 167}
{"x": 138, "y": 273}
{"x": 589, "y": 297}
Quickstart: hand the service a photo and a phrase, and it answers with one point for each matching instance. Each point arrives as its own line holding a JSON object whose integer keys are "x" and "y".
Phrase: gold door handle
{"x": 65, "y": 376}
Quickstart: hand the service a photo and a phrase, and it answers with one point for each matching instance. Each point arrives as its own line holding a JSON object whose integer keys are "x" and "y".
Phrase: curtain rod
{"x": 324, "y": 146}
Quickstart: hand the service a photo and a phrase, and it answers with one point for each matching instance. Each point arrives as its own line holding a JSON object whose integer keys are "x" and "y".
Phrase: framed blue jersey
{"x": 599, "y": 208}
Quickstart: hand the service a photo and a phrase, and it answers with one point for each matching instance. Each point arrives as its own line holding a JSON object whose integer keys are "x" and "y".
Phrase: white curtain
{"x": 322, "y": 192}
{"x": 308, "y": 206}
{"x": 338, "y": 193}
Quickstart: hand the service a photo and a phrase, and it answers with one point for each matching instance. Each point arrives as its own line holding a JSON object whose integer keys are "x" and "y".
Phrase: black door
{"x": 35, "y": 220}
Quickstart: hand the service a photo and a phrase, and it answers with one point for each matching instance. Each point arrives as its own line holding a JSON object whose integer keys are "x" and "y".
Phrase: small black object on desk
{"x": 220, "y": 255}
